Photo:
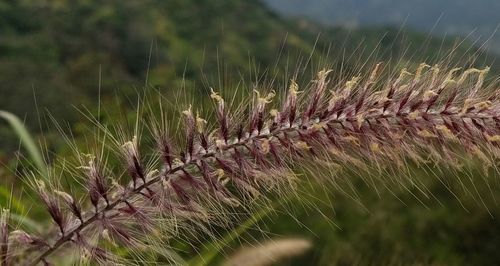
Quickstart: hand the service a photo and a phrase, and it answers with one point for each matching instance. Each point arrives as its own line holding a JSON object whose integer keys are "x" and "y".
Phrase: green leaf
{"x": 18, "y": 210}
{"x": 7, "y": 198}
{"x": 26, "y": 140}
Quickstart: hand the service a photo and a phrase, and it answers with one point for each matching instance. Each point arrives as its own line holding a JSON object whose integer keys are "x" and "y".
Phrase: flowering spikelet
{"x": 257, "y": 117}
{"x": 133, "y": 161}
{"x": 222, "y": 116}
{"x": 429, "y": 114}
{"x": 24, "y": 238}
{"x": 74, "y": 206}
{"x": 289, "y": 110}
{"x": 52, "y": 205}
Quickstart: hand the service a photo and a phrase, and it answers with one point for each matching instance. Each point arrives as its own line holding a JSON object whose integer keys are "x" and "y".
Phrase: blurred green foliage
{"x": 398, "y": 226}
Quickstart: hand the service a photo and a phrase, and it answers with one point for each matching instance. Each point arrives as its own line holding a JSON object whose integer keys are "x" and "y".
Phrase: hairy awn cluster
{"x": 429, "y": 114}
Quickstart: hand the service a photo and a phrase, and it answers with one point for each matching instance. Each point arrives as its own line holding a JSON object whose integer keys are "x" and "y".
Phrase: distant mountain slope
{"x": 56, "y": 48}
{"x": 455, "y": 17}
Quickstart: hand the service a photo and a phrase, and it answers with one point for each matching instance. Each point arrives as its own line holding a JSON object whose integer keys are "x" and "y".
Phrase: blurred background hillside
{"x": 57, "y": 56}
{"x": 478, "y": 20}
{"x": 55, "y": 51}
